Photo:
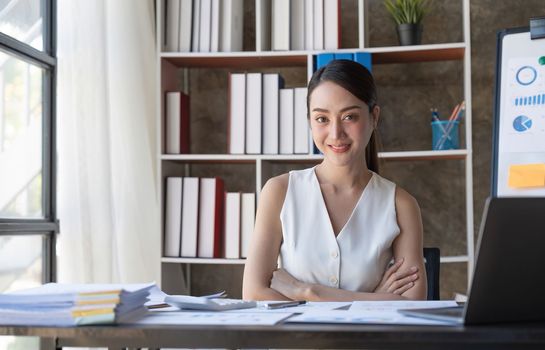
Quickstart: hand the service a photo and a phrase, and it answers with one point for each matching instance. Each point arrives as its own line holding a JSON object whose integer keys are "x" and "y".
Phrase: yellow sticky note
{"x": 527, "y": 175}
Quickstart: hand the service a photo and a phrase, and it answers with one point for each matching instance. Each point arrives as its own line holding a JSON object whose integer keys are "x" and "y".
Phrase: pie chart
{"x": 522, "y": 123}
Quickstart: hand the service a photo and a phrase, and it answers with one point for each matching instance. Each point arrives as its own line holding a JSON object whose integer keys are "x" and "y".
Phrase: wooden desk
{"x": 519, "y": 336}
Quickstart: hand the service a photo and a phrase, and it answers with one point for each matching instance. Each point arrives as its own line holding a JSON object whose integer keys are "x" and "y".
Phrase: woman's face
{"x": 341, "y": 123}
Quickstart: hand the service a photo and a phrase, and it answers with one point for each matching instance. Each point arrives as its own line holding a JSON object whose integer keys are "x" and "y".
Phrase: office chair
{"x": 432, "y": 263}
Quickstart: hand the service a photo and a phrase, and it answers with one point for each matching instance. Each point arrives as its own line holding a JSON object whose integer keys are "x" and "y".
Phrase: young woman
{"x": 337, "y": 226}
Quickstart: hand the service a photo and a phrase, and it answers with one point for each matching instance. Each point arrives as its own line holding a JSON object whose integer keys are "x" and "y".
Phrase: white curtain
{"x": 107, "y": 143}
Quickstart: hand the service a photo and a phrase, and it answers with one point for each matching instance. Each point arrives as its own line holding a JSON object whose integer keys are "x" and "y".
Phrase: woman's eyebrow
{"x": 317, "y": 109}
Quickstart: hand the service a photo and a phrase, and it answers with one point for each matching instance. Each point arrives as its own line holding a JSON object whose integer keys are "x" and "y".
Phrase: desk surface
{"x": 519, "y": 336}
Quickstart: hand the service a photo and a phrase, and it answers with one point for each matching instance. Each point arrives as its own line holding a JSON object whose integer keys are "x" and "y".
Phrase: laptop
{"x": 508, "y": 283}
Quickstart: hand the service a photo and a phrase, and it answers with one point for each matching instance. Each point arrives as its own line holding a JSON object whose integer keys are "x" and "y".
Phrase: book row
{"x": 204, "y": 221}
{"x": 305, "y": 25}
{"x": 265, "y": 118}
{"x": 214, "y": 25}
{"x": 203, "y": 25}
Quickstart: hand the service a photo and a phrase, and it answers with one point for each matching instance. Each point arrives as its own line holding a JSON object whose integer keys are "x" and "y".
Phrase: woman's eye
{"x": 321, "y": 119}
{"x": 348, "y": 117}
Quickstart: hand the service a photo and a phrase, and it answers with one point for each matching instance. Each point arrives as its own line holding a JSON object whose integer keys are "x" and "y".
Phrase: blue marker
{"x": 434, "y": 114}
{"x": 435, "y": 119}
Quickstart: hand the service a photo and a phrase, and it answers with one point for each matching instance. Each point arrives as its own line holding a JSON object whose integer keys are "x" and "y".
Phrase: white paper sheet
{"x": 156, "y": 297}
{"x": 376, "y": 312}
{"x": 394, "y": 305}
{"x": 74, "y": 288}
{"x": 368, "y": 317}
{"x": 213, "y": 318}
{"x": 308, "y": 307}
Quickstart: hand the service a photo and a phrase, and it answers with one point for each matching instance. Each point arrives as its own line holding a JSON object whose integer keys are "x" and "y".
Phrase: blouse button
{"x": 333, "y": 280}
{"x": 334, "y": 254}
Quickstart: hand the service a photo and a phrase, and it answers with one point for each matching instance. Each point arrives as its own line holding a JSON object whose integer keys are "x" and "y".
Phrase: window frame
{"x": 48, "y": 226}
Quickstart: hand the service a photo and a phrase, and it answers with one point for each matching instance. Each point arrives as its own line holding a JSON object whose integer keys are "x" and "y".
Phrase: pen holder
{"x": 445, "y": 135}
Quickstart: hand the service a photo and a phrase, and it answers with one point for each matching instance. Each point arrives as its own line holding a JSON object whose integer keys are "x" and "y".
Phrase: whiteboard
{"x": 519, "y": 118}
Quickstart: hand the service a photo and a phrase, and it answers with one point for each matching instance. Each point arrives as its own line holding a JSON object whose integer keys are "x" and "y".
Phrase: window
{"x": 28, "y": 223}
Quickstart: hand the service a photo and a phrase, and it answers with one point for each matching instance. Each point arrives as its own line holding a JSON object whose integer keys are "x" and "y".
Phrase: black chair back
{"x": 432, "y": 263}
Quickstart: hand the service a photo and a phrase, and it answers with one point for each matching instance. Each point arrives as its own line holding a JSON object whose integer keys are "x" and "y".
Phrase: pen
{"x": 457, "y": 113}
{"x": 283, "y": 304}
{"x": 434, "y": 114}
{"x": 454, "y": 111}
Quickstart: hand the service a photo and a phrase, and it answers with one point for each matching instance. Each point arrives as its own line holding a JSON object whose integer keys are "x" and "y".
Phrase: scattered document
{"x": 307, "y": 307}
{"x": 187, "y": 302}
{"x": 394, "y": 305}
{"x": 157, "y": 300}
{"x": 460, "y": 298}
{"x": 313, "y": 306}
{"x": 213, "y": 318}
{"x": 369, "y": 317}
{"x": 376, "y": 312}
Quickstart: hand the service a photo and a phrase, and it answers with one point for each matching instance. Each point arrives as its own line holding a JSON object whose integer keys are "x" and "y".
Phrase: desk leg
{"x": 48, "y": 343}
{"x": 188, "y": 278}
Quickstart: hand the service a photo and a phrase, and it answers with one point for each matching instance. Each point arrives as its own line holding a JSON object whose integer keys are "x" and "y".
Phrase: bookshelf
{"x": 381, "y": 55}
{"x": 173, "y": 73}
{"x": 247, "y": 158}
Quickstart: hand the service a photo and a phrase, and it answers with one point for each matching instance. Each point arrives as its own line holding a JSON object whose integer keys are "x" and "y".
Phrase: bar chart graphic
{"x": 530, "y": 100}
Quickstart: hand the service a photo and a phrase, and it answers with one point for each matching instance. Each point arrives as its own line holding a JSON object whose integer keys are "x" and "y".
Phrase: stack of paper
{"x": 74, "y": 304}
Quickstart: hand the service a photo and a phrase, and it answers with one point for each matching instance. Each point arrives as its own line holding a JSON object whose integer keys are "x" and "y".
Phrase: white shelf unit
{"x": 444, "y": 259}
{"x": 260, "y": 59}
{"x": 402, "y": 155}
{"x": 204, "y": 261}
{"x": 168, "y": 62}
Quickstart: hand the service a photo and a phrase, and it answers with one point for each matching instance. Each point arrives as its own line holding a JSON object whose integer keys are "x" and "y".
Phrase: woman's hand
{"x": 395, "y": 281}
{"x": 288, "y": 285}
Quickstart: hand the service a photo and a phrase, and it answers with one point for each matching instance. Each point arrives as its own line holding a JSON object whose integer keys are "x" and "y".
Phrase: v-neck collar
{"x": 324, "y": 206}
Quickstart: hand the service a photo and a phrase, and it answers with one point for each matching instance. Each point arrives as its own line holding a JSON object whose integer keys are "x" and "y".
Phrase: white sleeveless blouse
{"x": 354, "y": 260}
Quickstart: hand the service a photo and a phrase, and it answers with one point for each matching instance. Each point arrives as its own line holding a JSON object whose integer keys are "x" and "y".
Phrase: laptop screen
{"x": 510, "y": 262}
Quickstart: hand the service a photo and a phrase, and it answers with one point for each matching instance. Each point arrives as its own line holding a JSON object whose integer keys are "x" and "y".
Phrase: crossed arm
{"x": 406, "y": 279}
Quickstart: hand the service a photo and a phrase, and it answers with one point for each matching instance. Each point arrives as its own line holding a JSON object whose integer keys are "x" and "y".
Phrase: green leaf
{"x": 407, "y": 11}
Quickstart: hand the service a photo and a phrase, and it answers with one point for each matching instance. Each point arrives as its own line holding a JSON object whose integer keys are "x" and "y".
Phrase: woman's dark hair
{"x": 356, "y": 79}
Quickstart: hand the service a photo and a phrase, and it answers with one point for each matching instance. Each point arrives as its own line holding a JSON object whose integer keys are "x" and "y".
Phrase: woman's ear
{"x": 375, "y": 114}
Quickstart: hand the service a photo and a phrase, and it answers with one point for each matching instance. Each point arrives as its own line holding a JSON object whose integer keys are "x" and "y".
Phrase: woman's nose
{"x": 336, "y": 131}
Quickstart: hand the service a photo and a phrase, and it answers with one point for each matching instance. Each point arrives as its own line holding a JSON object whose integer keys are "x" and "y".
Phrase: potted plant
{"x": 408, "y": 15}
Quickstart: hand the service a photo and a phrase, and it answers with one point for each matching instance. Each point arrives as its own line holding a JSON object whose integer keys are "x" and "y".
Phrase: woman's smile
{"x": 340, "y": 148}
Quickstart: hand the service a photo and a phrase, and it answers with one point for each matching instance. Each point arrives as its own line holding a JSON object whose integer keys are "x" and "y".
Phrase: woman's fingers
{"x": 404, "y": 288}
{"x": 400, "y": 283}
{"x": 392, "y": 269}
{"x": 402, "y": 274}
{"x": 397, "y": 281}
